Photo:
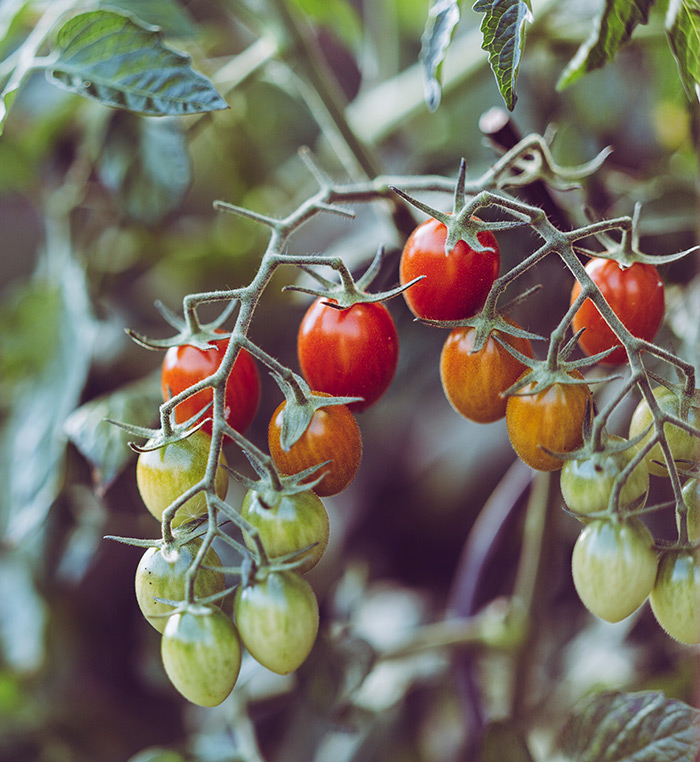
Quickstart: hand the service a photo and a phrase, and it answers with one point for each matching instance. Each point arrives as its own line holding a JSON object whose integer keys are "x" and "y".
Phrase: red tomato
{"x": 474, "y": 381}
{"x": 635, "y": 294}
{"x": 457, "y": 284}
{"x": 186, "y": 365}
{"x": 333, "y": 434}
{"x": 348, "y": 353}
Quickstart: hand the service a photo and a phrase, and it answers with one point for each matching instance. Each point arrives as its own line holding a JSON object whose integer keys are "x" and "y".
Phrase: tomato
{"x": 333, "y": 434}
{"x": 277, "y": 619}
{"x": 635, "y": 294}
{"x": 691, "y": 495}
{"x": 474, "y": 382}
{"x": 164, "y": 474}
{"x": 552, "y": 418}
{"x": 675, "y": 598}
{"x": 186, "y": 365}
{"x": 614, "y": 567}
{"x": 348, "y": 353}
{"x": 455, "y": 285}
{"x": 201, "y": 654}
{"x": 587, "y": 483}
{"x": 162, "y": 575}
{"x": 685, "y": 448}
{"x": 288, "y": 523}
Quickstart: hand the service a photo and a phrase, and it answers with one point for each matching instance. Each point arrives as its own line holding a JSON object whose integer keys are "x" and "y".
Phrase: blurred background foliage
{"x": 103, "y": 212}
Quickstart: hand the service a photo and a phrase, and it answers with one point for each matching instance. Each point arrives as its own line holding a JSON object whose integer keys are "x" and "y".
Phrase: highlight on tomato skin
{"x": 635, "y": 294}
{"x": 352, "y": 352}
{"x": 455, "y": 286}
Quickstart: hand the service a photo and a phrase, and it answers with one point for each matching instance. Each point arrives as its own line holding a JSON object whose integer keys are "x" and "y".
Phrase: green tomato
{"x": 675, "y": 598}
{"x": 201, "y": 654}
{"x": 162, "y": 575}
{"x": 587, "y": 483}
{"x": 691, "y": 495}
{"x": 164, "y": 474}
{"x": 277, "y": 619}
{"x": 288, "y": 523}
{"x": 614, "y": 567}
{"x": 685, "y": 448}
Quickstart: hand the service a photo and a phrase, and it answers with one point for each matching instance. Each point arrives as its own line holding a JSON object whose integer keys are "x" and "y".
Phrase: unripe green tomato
{"x": 201, "y": 654}
{"x": 684, "y": 446}
{"x": 675, "y": 598}
{"x": 162, "y": 575}
{"x": 587, "y": 483}
{"x": 288, "y": 523}
{"x": 277, "y": 619}
{"x": 614, "y": 567}
{"x": 164, "y": 474}
{"x": 691, "y": 495}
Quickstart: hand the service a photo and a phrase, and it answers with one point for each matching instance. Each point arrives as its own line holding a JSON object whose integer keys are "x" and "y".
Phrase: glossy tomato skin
{"x": 675, "y": 598}
{"x": 162, "y": 575}
{"x": 277, "y": 619}
{"x": 587, "y": 483}
{"x": 288, "y": 523}
{"x": 691, "y": 496}
{"x": 635, "y": 294}
{"x": 474, "y": 382}
{"x": 552, "y": 418}
{"x": 348, "y": 353}
{"x": 164, "y": 474}
{"x": 186, "y": 365}
{"x": 333, "y": 434}
{"x": 614, "y": 567}
{"x": 201, "y": 654}
{"x": 684, "y": 446}
{"x": 456, "y": 285}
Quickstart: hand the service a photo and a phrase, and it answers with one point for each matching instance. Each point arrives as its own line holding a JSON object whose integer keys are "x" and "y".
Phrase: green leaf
{"x": 103, "y": 445}
{"x": 632, "y": 727}
{"x": 502, "y": 740}
{"x": 683, "y": 30}
{"x": 338, "y": 15}
{"x": 110, "y": 58}
{"x": 169, "y": 15}
{"x": 443, "y": 17}
{"x": 146, "y": 166}
{"x": 503, "y": 28}
{"x": 611, "y": 29}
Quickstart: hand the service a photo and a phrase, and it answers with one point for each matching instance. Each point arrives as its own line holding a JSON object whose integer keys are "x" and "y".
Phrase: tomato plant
{"x": 185, "y": 365}
{"x": 201, "y": 654}
{"x": 164, "y": 474}
{"x": 161, "y": 574}
{"x": 587, "y": 483}
{"x": 455, "y": 285}
{"x": 332, "y": 434}
{"x": 635, "y": 294}
{"x": 691, "y": 496}
{"x": 614, "y": 567}
{"x": 685, "y": 448}
{"x": 474, "y": 382}
{"x": 348, "y": 353}
{"x": 277, "y": 618}
{"x": 288, "y": 523}
{"x": 675, "y": 598}
{"x": 552, "y": 419}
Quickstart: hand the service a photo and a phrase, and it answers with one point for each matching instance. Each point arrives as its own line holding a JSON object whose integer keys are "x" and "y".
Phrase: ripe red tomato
{"x": 457, "y": 284}
{"x": 635, "y": 294}
{"x": 186, "y": 365}
{"x": 333, "y": 434}
{"x": 348, "y": 353}
{"x": 473, "y": 382}
{"x": 552, "y": 418}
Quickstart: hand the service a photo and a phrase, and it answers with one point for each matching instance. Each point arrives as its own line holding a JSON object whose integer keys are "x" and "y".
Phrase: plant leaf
{"x": 443, "y": 17}
{"x": 611, "y": 29}
{"x": 146, "y": 166}
{"x": 683, "y": 30}
{"x": 632, "y": 727}
{"x": 503, "y": 28}
{"x": 169, "y": 15}
{"x": 112, "y": 59}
